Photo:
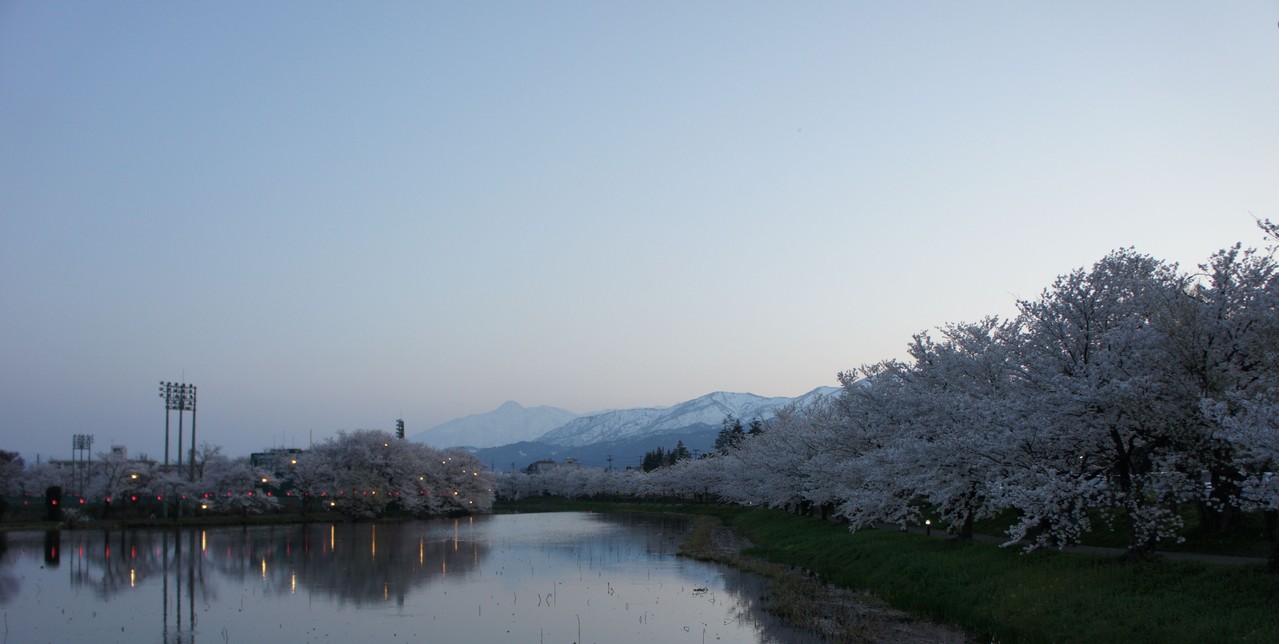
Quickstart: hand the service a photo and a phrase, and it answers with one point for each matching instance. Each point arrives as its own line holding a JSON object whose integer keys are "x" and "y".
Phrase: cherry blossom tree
{"x": 241, "y": 488}
{"x": 1106, "y": 422}
{"x": 366, "y": 474}
{"x": 958, "y": 438}
{"x": 1232, "y": 357}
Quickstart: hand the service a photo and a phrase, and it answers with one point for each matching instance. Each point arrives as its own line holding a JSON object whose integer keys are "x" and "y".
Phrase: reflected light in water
{"x": 610, "y": 579}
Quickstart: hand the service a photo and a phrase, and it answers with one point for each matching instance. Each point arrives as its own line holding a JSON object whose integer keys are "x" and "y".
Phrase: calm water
{"x": 564, "y": 577}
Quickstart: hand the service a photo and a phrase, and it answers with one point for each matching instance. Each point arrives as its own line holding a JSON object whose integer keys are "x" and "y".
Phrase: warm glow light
{"x": 264, "y": 567}
{"x": 133, "y": 578}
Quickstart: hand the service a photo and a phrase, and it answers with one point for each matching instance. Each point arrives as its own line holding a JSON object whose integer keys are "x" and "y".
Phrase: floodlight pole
{"x": 166, "y": 392}
{"x": 179, "y": 397}
{"x": 80, "y": 446}
{"x": 191, "y": 461}
{"x": 182, "y": 396}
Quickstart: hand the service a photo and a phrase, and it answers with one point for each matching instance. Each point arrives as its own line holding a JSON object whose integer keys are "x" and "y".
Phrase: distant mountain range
{"x": 509, "y": 423}
{"x": 513, "y": 436}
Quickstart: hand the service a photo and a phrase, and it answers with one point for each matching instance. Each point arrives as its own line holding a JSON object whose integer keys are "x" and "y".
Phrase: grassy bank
{"x": 1001, "y": 593}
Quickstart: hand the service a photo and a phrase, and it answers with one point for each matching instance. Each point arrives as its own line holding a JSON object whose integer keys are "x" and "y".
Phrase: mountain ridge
{"x": 709, "y": 410}
{"x": 509, "y": 423}
{"x": 623, "y": 433}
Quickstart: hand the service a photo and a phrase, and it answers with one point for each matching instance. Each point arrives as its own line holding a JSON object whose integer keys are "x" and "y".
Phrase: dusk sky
{"x": 330, "y": 215}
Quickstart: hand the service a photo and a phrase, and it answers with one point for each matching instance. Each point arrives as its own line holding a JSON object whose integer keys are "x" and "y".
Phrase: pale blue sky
{"x": 328, "y": 215}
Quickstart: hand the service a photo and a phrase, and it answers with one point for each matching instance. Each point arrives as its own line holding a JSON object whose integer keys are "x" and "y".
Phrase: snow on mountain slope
{"x": 509, "y": 423}
{"x": 709, "y": 410}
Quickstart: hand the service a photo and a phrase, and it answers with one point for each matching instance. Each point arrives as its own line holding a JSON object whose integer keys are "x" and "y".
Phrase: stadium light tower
{"x": 179, "y": 397}
{"x": 166, "y": 392}
{"x": 80, "y": 446}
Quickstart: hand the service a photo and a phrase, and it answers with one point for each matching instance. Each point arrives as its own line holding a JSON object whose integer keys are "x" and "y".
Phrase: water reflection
{"x": 563, "y": 577}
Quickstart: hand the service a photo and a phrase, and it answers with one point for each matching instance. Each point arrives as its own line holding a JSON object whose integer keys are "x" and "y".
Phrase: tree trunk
{"x": 1272, "y": 534}
{"x": 966, "y": 528}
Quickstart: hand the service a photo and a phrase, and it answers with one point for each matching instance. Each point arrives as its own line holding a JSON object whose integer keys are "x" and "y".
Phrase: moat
{"x": 559, "y": 577}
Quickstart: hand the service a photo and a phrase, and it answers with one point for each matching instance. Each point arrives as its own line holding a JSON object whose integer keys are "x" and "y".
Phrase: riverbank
{"x": 999, "y": 593}
{"x": 806, "y": 601}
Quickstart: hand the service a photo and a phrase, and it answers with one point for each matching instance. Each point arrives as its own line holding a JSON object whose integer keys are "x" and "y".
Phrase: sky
{"x": 330, "y": 215}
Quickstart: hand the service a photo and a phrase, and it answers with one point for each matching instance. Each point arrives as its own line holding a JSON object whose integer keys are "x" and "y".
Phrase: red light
{"x": 55, "y": 501}
{"x": 134, "y": 497}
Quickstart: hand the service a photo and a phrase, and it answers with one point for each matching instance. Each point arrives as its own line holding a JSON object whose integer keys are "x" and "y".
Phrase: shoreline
{"x": 803, "y": 600}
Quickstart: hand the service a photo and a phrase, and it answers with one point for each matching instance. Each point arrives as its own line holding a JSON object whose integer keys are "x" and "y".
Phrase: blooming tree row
{"x": 1124, "y": 392}
{"x": 360, "y": 474}
{"x": 368, "y": 473}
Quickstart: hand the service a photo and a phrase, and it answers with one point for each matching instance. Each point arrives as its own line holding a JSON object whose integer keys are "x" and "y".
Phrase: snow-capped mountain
{"x": 706, "y": 411}
{"x": 509, "y": 423}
